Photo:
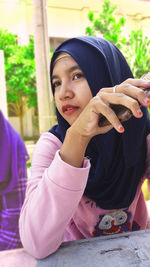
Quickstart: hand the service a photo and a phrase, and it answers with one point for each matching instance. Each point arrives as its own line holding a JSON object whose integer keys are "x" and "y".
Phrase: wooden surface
{"x": 123, "y": 250}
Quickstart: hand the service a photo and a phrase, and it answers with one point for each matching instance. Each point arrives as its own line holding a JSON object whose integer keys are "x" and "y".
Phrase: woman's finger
{"x": 134, "y": 92}
{"x": 137, "y": 82}
{"x": 103, "y": 108}
{"x": 124, "y": 100}
{"x": 132, "y": 87}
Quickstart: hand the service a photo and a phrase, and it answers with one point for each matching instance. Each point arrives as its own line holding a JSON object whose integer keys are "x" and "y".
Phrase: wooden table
{"x": 122, "y": 250}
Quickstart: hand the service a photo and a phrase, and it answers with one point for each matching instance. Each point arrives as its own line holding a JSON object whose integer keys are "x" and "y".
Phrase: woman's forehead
{"x": 61, "y": 55}
{"x": 66, "y": 62}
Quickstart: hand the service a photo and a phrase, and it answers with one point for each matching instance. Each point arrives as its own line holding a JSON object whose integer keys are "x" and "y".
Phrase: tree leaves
{"x": 135, "y": 47}
{"x": 19, "y": 69}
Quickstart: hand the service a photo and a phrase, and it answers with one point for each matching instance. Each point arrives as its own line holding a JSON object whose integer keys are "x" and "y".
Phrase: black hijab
{"x": 117, "y": 160}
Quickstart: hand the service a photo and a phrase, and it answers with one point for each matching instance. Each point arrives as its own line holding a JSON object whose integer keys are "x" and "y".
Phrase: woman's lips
{"x": 69, "y": 109}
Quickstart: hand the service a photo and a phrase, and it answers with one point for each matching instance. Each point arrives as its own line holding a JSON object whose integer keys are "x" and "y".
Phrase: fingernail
{"x": 146, "y": 82}
{"x": 146, "y": 100}
{"x": 120, "y": 128}
{"x": 139, "y": 112}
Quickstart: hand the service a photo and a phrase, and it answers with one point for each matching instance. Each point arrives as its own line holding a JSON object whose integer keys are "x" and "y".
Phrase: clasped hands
{"x": 130, "y": 94}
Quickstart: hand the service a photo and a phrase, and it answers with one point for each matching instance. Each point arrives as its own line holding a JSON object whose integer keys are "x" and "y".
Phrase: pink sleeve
{"x": 53, "y": 194}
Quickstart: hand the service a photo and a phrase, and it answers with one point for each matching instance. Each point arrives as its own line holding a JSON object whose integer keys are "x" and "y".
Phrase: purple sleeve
{"x": 11, "y": 204}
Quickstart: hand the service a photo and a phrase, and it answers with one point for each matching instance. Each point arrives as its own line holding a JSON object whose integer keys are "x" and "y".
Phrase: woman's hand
{"x": 129, "y": 94}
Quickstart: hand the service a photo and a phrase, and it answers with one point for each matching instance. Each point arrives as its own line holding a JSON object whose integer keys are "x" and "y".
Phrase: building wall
{"x": 70, "y": 19}
{"x": 67, "y": 18}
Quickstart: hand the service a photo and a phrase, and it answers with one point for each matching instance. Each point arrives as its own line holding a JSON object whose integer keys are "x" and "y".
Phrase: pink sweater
{"x": 55, "y": 209}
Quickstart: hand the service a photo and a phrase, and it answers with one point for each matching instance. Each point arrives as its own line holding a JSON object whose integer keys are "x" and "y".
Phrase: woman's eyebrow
{"x": 75, "y": 67}
{"x": 54, "y": 77}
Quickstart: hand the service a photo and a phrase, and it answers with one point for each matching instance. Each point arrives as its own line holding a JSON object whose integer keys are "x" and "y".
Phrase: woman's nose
{"x": 66, "y": 91}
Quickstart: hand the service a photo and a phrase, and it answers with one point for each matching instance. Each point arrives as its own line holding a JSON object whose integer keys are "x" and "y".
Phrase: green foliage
{"x": 19, "y": 69}
{"x": 135, "y": 47}
{"x": 145, "y": 190}
{"x": 106, "y": 24}
{"x": 20, "y": 75}
{"x": 137, "y": 53}
{"x": 28, "y": 164}
{"x": 7, "y": 42}
{"x": 51, "y": 51}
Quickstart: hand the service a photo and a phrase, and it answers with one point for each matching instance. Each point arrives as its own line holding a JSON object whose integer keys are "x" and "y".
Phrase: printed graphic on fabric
{"x": 113, "y": 223}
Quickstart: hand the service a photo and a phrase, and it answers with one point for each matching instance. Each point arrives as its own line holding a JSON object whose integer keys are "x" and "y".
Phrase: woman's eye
{"x": 78, "y": 76}
{"x": 56, "y": 84}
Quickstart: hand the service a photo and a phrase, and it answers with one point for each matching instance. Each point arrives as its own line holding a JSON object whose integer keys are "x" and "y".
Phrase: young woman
{"x": 86, "y": 178}
{"x": 13, "y": 180}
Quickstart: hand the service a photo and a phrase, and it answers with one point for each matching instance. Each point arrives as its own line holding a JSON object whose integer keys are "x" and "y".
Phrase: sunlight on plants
{"x": 145, "y": 190}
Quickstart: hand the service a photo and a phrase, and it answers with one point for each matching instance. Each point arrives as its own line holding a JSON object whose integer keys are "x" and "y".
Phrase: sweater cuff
{"x": 67, "y": 176}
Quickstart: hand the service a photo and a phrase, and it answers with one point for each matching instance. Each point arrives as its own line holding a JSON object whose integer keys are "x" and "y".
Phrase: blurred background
{"x": 31, "y": 30}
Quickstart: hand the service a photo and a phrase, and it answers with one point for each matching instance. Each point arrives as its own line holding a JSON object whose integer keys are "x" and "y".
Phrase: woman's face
{"x": 72, "y": 92}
